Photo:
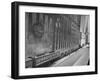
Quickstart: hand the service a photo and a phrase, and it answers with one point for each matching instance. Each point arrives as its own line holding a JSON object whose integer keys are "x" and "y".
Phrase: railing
{"x": 44, "y": 58}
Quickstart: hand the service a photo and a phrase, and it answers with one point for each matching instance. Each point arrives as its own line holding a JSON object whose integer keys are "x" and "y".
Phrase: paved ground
{"x": 80, "y": 57}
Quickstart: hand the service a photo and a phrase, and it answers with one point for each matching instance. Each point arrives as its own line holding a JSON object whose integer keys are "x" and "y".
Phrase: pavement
{"x": 79, "y": 57}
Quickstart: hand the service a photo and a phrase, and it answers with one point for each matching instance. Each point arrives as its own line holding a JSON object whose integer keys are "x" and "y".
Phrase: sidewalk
{"x": 80, "y": 57}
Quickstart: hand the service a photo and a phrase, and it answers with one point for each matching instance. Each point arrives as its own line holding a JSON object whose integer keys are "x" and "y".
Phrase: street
{"x": 79, "y": 57}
